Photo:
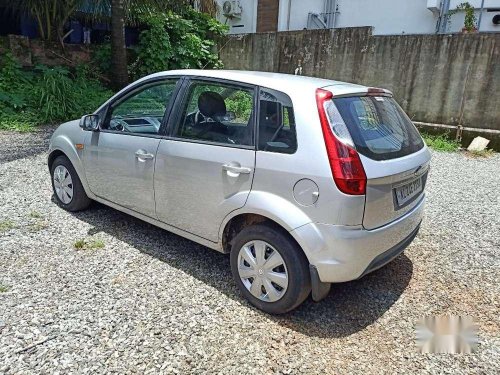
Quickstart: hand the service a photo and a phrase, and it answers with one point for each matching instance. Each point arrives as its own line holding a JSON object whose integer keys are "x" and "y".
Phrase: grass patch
{"x": 36, "y": 215}
{"x": 79, "y": 245}
{"x": 96, "y": 244}
{"x": 13, "y": 124}
{"x": 38, "y": 226}
{"x": 3, "y": 288}
{"x": 6, "y": 225}
{"x": 486, "y": 153}
{"x": 88, "y": 245}
{"x": 440, "y": 142}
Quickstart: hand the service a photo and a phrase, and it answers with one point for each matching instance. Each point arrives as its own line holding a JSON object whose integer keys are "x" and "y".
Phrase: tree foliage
{"x": 177, "y": 41}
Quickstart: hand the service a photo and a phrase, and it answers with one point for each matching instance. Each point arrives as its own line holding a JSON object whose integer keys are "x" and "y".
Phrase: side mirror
{"x": 90, "y": 122}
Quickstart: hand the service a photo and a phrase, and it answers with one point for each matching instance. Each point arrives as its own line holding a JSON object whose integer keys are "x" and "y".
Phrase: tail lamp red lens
{"x": 347, "y": 169}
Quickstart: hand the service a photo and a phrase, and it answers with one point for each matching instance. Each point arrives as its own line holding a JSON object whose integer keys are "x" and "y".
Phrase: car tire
{"x": 295, "y": 267}
{"x": 59, "y": 171}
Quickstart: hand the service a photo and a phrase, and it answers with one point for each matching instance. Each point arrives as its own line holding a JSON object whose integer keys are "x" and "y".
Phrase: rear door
{"x": 204, "y": 169}
{"x": 393, "y": 154}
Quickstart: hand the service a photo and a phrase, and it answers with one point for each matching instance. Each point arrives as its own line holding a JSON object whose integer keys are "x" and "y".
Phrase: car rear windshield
{"x": 379, "y": 128}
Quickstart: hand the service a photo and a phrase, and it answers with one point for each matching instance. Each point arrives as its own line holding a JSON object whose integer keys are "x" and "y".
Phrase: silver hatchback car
{"x": 304, "y": 181}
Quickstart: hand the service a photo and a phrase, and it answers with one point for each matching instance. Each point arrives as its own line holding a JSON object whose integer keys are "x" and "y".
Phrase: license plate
{"x": 407, "y": 192}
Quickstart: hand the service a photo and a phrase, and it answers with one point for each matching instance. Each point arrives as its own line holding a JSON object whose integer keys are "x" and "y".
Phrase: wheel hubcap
{"x": 262, "y": 270}
{"x": 63, "y": 184}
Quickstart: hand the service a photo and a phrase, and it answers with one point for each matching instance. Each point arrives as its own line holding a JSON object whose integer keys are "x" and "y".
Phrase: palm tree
{"x": 118, "y": 48}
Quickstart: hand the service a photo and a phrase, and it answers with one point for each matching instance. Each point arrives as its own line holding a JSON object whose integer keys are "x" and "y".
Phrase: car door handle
{"x": 235, "y": 169}
{"x": 141, "y": 154}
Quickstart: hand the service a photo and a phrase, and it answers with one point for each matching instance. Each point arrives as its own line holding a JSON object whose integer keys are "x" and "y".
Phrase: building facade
{"x": 387, "y": 17}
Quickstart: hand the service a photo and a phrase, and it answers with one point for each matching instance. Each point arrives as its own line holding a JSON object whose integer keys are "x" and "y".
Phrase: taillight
{"x": 347, "y": 169}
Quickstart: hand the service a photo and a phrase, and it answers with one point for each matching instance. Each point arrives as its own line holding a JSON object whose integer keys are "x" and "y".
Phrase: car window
{"x": 218, "y": 113}
{"x": 379, "y": 128}
{"x": 142, "y": 112}
{"x": 276, "y": 123}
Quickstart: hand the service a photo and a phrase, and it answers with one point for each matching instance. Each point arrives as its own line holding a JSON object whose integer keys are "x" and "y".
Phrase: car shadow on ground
{"x": 349, "y": 308}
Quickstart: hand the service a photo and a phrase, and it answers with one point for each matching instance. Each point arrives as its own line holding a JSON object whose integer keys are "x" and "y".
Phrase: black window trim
{"x": 182, "y": 96}
{"x": 139, "y": 87}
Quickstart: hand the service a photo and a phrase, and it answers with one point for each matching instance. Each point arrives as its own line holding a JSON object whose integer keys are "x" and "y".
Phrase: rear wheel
{"x": 68, "y": 188}
{"x": 270, "y": 269}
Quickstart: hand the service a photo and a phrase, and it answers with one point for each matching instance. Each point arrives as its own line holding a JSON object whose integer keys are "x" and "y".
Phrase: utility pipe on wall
{"x": 289, "y": 11}
{"x": 480, "y": 16}
{"x": 330, "y": 10}
{"x": 443, "y": 16}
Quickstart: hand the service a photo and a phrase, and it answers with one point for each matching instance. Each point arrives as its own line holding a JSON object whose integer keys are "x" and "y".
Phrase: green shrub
{"x": 101, "y": 58}
{"x": 440, "y": 142}
{"x": 154, "y": 50}
{"x": 55, "y": 94}
{"x": 45, "y": 95}
{"x": 173, "y": 41}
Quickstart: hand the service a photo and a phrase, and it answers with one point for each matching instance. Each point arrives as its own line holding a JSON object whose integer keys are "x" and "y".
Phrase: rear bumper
{"x": 344, "y": 253}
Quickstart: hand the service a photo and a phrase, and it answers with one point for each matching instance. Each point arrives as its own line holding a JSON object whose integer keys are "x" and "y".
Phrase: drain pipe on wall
{"x": 335, "y": 12}
{"x": 289, "y": 11}
{"x": 330, "y": 13}
{"x": 480, "y": 16}
{"x": 443, "y": 16}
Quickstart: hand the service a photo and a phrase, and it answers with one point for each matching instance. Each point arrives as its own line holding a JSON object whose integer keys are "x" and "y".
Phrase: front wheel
{"x": 68, "y": 188}
{"x": 270, "y": 269}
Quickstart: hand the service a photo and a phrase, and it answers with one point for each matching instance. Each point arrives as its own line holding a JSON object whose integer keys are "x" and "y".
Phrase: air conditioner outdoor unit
{"x": 434, "y": 5}
{"x": 232, "y": 9}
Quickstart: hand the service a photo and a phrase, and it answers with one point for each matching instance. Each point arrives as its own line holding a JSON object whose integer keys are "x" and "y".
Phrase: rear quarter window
{"x": 277, "y": 131}
{"x": 379, "y": 128}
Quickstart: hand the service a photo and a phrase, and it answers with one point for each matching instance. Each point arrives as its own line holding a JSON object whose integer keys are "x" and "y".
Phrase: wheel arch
{"x": 262, "y": 205}
{"x": 239, "y": 221}
{"x": 62, "y": 146}
{"x": 53, "y": 155}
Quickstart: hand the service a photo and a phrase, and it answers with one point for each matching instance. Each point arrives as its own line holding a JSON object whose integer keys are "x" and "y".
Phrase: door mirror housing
{"x": 90, "y": 122}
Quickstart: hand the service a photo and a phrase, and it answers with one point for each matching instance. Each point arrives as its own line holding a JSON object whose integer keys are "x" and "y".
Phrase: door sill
{"x": 190, "y": 236}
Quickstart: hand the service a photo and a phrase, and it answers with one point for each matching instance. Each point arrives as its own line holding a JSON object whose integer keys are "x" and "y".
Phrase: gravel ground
{"x": 14, "y": 145}
{"x": 152, "y": 302}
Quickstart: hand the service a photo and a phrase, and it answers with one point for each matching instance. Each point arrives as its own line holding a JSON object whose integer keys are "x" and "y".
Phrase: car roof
{"x": 277, "y": 81}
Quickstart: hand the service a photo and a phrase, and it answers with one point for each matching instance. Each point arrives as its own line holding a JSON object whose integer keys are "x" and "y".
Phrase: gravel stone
{"x": 153, "y": 302}
{"x": 14, "y": 145}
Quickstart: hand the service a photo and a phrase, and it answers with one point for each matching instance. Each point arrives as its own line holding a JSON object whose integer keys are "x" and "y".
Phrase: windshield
{"x": 379, "y": 128}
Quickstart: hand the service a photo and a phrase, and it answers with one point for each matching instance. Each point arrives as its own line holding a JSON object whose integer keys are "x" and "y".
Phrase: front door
{"x": 119, "y": 159}
{"x": 205, "y": 169}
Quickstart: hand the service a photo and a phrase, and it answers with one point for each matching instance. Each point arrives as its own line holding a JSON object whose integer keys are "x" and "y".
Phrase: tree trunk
{"x": 118, "y": 49}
